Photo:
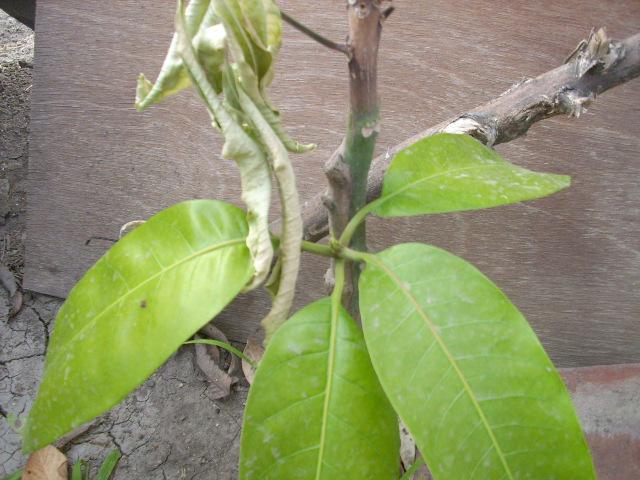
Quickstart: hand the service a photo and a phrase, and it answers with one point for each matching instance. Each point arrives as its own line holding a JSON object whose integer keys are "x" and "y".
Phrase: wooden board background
{"x": 570, "y": 262}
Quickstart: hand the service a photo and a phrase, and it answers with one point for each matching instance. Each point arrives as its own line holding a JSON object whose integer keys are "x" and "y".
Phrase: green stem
{"x": 229, "y": 348}
{"x": 318, "y": 249}
{"x": 358, "y": 154}
{"x": 356, "y": 220}
{"x": 357, "y": 256}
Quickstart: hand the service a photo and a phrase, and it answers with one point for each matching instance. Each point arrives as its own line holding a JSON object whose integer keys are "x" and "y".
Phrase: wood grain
{"x": 570, "y": 262}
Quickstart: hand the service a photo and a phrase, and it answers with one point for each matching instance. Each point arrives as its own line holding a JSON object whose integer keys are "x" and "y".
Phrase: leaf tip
{"x": 143, "y": 89}
{"x": 303, "y": 148}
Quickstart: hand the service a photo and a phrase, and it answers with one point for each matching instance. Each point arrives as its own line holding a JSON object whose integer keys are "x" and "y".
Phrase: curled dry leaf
{"x": 254, "y": 350}
{"x": 46, "y": 464}
{"x": 129, "y": 226}
{"x": 211, "y": 362}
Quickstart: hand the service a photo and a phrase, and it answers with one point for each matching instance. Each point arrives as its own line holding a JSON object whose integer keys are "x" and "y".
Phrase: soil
{"x": 170, "y": 428}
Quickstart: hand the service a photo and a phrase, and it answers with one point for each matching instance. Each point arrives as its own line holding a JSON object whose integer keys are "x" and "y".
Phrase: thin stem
{"x": 226, "y": 346}
{"x": 318, "y": 249}
{"x": 354, "y": 223}
{"x": 357, "y": 256}
{"x": 314, "y": 35}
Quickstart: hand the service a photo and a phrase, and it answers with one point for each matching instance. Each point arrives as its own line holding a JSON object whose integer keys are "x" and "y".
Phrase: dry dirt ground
{"x": 170, "y": 428}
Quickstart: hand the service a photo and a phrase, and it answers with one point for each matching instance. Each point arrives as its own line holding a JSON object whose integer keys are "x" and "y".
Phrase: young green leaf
{"x": 316, "y": 409}
{"x": 465, "y": 372}
{"x": 79, "y": 470}
{"x": 449, "y": 173}
{"x": 148, "y": 294}
{"x": 109, "y": 465}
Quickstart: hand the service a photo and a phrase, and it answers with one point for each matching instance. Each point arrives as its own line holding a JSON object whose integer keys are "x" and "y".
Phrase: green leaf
{"x": 78, "y": 472}
{"x": 147, "y": 295}
{"x": 465, "y": 372}
{"x": 450, "y": 172}
{"x": 315, "y": 409}
{"x": 109, "y": 465}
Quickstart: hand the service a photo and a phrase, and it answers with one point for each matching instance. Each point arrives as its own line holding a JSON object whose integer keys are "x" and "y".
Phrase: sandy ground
{"x": 170, "y": 428}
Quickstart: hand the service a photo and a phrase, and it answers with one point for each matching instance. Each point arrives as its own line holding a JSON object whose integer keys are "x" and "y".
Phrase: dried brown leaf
{"x": 254, "y": 350}
{"x": 210, "y": 361}
{"x": 46, "y": 464}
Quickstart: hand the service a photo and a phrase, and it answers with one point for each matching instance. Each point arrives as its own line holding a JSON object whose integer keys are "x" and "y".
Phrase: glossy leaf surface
{"x": 465, "y": 372}
{"x": 147, "y": 295}
{"x": 316, "y": 409}
{"x": 450, "y": 172}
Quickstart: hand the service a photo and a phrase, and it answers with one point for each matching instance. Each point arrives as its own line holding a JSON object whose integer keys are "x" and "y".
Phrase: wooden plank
{"x": 570, "y": 262}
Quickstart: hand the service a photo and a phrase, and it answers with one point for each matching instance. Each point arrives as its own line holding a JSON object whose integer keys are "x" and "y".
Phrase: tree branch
{"x": 314, "y": 35}
{"x": 597, "y": 65}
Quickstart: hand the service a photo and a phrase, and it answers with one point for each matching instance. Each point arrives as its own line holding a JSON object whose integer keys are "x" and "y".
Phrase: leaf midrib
{"x": 418, "y": 308}
{"x": 335, "y": 312}
{"x": 408, "y": 186}
{"x": 160, "y": 272}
